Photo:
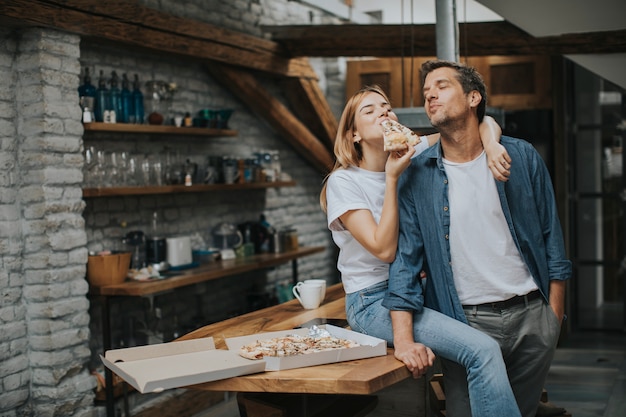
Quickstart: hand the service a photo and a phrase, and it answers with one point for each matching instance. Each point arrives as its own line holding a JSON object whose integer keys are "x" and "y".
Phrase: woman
{"x": 360, "y": 199}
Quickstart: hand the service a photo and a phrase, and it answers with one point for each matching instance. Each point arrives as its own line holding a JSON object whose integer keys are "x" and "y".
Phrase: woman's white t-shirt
{"x": 354, "y": 189}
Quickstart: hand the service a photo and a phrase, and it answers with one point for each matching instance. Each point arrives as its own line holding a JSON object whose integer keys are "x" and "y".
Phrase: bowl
{"x": 108, "y": 269}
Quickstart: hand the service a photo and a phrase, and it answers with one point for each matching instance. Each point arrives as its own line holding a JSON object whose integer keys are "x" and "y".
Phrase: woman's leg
{"x": 365, "y": 313}
{"x": 489, "y": 388}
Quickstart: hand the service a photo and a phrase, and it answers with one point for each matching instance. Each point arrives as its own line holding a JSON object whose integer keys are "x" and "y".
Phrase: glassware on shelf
{"x": 158, "y": 101}
{"x": 133, "y": 171}
{"x": 88, "y": 167}
{"x": 114, "y": 171}
{"x": 146, "y": 168}
{"x": 87, "y": 97}
{"x": 157, "y": 171}
{"x": 101, "y": 174}
{"x": 102, "y": 98}
{"x": 137, "y": 115}
{"x": 126, "y": 101}
{"x": 115, "y": 94}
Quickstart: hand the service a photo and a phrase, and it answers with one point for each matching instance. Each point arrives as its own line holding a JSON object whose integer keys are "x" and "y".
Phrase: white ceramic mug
{"x": 317, "y": 281}
{"x": 309, "y": 295}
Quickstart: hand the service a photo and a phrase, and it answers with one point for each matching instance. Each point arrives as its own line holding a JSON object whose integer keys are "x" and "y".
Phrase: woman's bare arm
{"x": 498, "y": 159}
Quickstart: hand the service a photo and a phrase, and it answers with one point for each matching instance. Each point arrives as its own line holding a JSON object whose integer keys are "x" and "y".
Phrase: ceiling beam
{"x": 310, "y": 105}
{"x": 245, "y": 86}
{"x": 132, "y": 24}
{"x": 475, "y": 39}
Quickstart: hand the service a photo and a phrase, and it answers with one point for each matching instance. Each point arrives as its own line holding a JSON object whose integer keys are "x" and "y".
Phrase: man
{"x": 493, "y": 251}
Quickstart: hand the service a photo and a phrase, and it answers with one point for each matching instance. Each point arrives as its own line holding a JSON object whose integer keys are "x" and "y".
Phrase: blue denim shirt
{"x": 529, "y": 208}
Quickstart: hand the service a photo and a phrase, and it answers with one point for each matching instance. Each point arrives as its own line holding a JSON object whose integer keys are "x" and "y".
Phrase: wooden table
{"x": 362, "y": 377}
{"x": 183, "y": 278}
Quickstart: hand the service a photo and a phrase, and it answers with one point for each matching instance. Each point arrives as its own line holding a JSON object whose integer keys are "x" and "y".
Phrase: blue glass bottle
{"x": 87, "y": 93}
{"x": 137, "y": 100}
{"x": 102, "y": 98}
{"x": 116, "y": 97}
{"x": 126, "y": 102}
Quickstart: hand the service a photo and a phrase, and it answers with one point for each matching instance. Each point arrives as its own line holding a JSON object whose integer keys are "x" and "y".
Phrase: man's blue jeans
{"x": 490, "y": 391}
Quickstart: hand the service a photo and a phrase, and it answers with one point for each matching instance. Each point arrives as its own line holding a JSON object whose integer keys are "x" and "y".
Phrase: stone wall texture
{"x": 50, "y": 326}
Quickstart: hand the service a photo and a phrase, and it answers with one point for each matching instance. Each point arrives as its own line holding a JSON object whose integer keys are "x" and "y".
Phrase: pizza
{"x": 397, "y": 136}
{"x": 292, "y": 345}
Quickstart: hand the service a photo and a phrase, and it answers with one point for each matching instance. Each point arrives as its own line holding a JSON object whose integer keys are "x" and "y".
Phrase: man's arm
{"x": 417, "y": 357}
{"x": 557, "y": 298}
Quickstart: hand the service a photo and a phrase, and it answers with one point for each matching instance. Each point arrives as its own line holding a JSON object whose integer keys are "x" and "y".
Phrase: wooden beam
{"x": 261, "y": 102}
{"x": 131, "y": 24}
{"x": 476, "y": 39}
{"x": 311, "y": 107}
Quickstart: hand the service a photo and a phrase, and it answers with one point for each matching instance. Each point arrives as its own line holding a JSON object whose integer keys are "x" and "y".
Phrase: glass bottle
{"x": 137, "y": 100}
{"x": 102, "y": 98}
{"x": 126, "y": 102}
{"x": 116, "y": 97}
{"x": 87, "y": 95}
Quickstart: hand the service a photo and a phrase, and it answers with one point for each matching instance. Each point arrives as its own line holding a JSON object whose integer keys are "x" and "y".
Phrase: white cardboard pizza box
{"x": 155, "y": 368}
{"x": 369, "y": 347}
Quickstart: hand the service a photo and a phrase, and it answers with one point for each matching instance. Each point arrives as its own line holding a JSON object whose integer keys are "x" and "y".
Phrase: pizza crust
{"x": 397, "y": 136}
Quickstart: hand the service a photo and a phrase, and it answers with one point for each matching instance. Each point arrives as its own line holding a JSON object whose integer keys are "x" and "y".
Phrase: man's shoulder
{"x": 427, "y": 154}
{"x": 513, "y": 141}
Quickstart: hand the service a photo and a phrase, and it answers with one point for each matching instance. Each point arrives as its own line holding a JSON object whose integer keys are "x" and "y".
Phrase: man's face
{"x": 444, "y": 100}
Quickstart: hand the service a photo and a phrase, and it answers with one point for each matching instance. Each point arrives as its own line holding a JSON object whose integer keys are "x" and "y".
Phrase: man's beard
{"x": 446, "y": 123}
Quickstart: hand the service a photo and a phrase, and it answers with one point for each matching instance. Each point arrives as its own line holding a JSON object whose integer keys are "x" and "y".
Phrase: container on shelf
{"x": 108, "y": 269}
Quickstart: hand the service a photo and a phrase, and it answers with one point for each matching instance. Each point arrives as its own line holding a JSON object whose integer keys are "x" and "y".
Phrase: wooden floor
{"x": 588, "y": 375}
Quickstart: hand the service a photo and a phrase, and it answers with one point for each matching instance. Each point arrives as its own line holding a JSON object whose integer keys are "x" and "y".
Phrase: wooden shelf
{"x": 206, "y": 272}
{"x": 171, "y": 189}
{"x": 155, "y": 129}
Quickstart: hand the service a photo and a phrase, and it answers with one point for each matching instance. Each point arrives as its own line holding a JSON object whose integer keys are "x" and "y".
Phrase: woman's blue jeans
{"x": 489, "y": 389}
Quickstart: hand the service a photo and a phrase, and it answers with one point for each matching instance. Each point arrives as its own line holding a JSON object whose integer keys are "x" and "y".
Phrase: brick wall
{"x": 43, "y": 315}
{"x": 49, "y": 325}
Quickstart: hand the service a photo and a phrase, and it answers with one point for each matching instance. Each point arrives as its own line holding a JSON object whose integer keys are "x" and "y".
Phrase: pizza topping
{"x": 398, "y": 136}
{"x": 291, "y": 345}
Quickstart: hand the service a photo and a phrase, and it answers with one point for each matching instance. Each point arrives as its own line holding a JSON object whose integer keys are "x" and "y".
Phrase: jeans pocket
{"x": 373, "y": 294}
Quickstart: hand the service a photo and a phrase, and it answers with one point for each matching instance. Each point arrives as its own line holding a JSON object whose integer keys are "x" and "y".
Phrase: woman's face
{"x": 370, "y": 113}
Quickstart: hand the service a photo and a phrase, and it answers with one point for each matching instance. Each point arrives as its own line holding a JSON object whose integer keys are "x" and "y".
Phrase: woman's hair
{"x": 347, "y": 152}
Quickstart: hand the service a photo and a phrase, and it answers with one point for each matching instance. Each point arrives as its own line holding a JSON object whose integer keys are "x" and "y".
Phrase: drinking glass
{"x": 101, "y": 170}
{"x": 157, "y": 169}
{"x": 145, "y": 170}
{"x": 88, "y": 166}
{"x": 114, "y": 170}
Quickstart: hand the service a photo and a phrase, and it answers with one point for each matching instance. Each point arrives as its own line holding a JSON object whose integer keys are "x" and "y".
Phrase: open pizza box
{"x": 158, "y": 367}
{"x": 369, "y": 347}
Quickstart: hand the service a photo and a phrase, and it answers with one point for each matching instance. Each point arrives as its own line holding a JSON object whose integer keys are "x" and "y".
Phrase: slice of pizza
{"x": 397, "y": 136}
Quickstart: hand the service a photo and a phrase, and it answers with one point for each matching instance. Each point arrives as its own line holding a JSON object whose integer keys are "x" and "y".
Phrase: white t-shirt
{"x": 486, "y": 264}
{"x": 353, "y": 189}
